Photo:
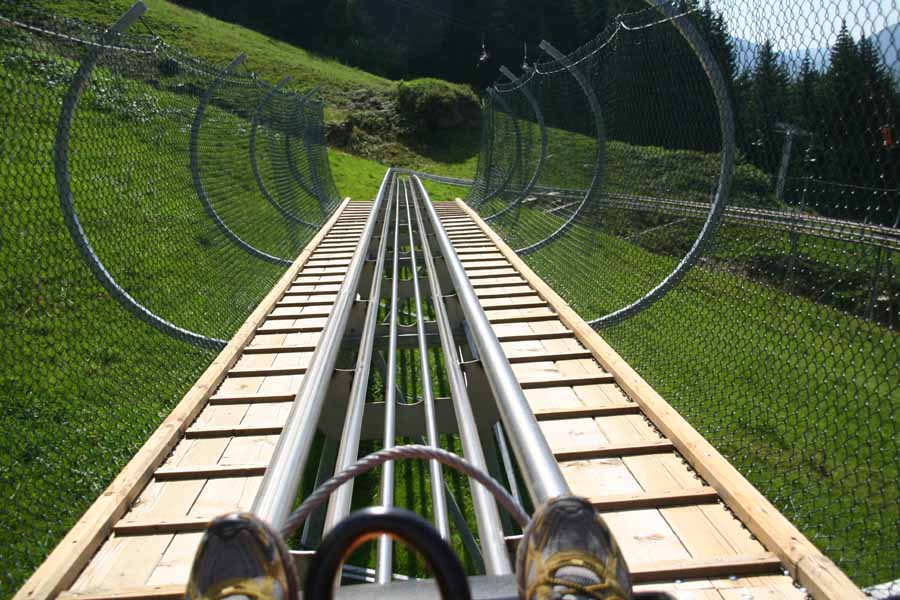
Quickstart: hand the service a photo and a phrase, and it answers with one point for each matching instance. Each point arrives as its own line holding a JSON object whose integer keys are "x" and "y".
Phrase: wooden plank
{"x": 587, "y": 412}
{"x": 764, "y": 563}
{"x": 270, "y": 372}
{"x": 667, "y": 570}
{"x": 616, "y": 451}
{"x": 278, "y": 349}
{"x": 552, "y": 357}
{"x": 296, "y": 316}
{"x": 251, "y": 399}
{"x": 155, "y": 527}
{"x": 531, "y": 384}
{"x": 232, "y": 431}
{"x": 294, "y": 329}
{"x": 506, "y": 294}
{"x": 304, "y": 304}
{"x": 165, "y": 592}
{"x": 60, "y": 569}
{"x": 646, "y": 500}
{"x": 208, "y": 472}
{"x": 524, "y": 337}
{"x": 526, "y": 318}
{"x": 803, "y": 559}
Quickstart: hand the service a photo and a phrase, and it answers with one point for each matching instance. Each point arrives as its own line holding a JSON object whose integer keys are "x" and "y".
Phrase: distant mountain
{"x": 747, "y": 52}
{"x": 887, "y": 40}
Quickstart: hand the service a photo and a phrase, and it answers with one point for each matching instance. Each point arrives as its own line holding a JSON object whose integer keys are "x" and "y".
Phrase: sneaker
{"x": 242, "y": 558}
{"x": 568, "y": 553}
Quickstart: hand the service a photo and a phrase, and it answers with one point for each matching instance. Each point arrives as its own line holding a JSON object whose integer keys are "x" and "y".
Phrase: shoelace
{"x": 595, "y": 590}
{"x": 607, "y": 588}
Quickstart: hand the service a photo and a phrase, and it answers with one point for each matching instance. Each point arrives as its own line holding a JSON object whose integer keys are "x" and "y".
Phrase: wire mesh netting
{"x": 715, "y": 187}
{"x": 142, "y": 222}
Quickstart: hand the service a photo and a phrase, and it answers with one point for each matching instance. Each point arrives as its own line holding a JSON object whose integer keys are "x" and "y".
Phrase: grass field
{"x": 801, "y": 396}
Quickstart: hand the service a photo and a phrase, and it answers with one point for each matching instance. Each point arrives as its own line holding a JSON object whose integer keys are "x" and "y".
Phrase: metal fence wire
{"x": 150, "y": 199}
{"x": 715, "y": 188}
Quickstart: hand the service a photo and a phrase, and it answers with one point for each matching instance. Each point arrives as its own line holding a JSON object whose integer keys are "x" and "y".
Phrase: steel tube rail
{"x": 437, "y": 479}
{"x": 487, "y": 517}
{"x": 279, "y": 486}
{"x": 384, "y": 565}
{"x": 539, "y": 468}
{"x": 348, "y": 452}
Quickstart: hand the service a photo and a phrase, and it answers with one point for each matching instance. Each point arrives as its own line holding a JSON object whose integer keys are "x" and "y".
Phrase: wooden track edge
{"x": 63, "y": 565}
{"x": 821, "y": 577}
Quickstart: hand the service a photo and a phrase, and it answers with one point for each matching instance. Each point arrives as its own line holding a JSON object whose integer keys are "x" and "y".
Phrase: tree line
{"x": 844, "y": 115}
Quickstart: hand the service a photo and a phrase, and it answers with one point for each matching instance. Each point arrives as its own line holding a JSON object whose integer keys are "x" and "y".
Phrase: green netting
{"x": 718, "y": 195}
{"x": 124, "y": 267}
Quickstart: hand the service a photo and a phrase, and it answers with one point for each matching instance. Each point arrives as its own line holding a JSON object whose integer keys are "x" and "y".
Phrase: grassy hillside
{"x": 363, "y": 111}
{"x": 77, "y": 371}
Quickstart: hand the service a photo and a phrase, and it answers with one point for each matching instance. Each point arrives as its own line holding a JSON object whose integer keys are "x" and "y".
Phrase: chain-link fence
{"x": 150, "y": 199}
{"x": 715, "y": 187}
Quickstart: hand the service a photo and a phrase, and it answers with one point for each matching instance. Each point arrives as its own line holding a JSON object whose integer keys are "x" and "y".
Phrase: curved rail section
{"x": 300, "y": 120}
{"x": 67, "y": 199}
{"x": 195, "y": 168}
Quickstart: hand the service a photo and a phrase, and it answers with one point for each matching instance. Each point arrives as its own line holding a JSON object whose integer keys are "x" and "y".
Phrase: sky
{"x": 795, "y": 24}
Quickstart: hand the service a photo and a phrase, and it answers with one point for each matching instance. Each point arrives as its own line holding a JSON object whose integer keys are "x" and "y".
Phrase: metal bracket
{"x": 67, "y": 199}
{"x": 195, "y": 168}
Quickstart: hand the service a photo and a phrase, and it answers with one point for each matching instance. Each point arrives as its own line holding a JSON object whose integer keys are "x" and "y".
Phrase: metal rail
{"x": 339, "y": 504}
{"x": 490, "y": 529}
{"x": 437, "y": 479}
{"x": 281, "y": 481}
{"x": 384, "y": 565}
{"x": 539, "y": 468}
